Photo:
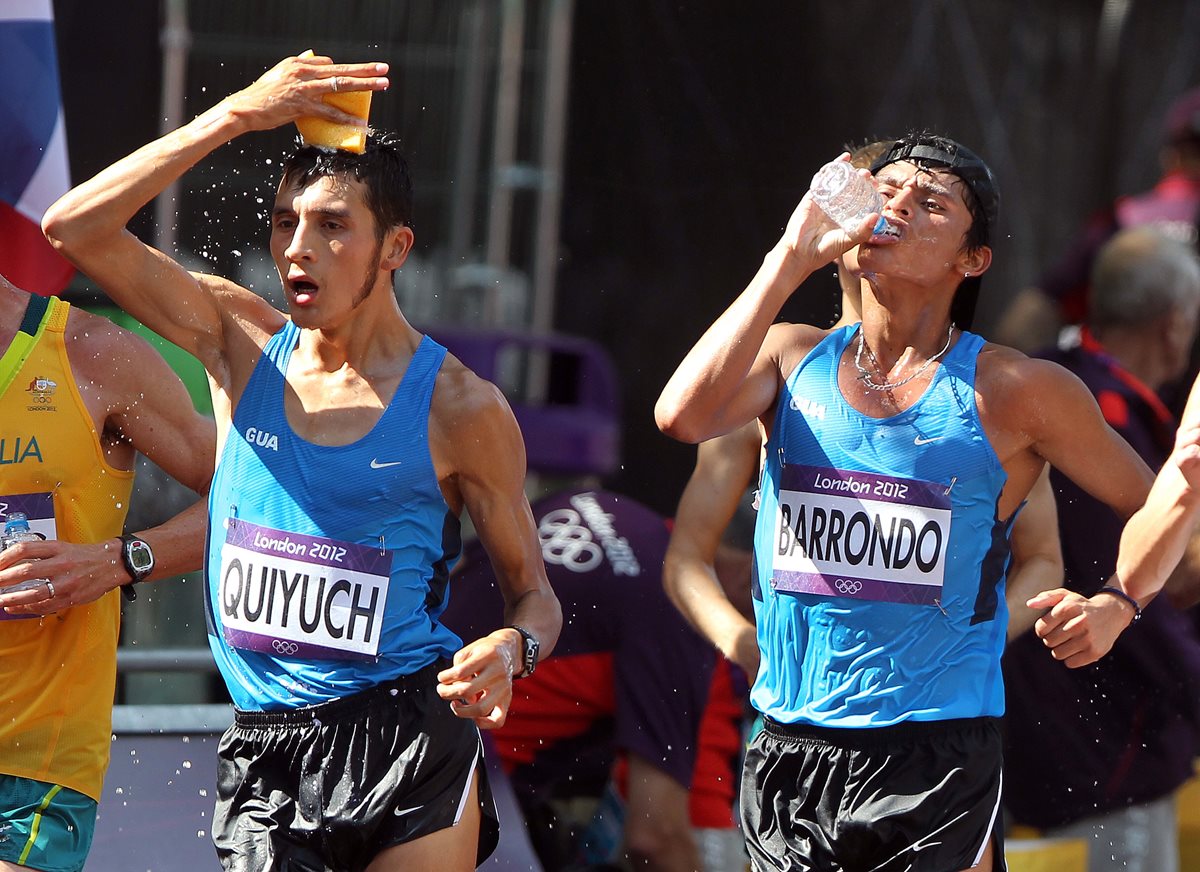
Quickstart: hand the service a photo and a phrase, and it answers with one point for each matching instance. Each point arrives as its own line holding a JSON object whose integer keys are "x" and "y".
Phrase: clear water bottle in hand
{"x": 846, "y": 197}
{"x": 16, "y": 529}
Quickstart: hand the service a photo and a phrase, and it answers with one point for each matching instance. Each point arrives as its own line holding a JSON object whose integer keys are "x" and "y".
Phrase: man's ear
{"x": 396, "y": 246}
{"x": 975, "y": 262}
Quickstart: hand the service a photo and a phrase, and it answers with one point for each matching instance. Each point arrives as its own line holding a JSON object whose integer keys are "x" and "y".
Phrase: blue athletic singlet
{"x": 879, "y": 559}
{"x": 327, "y": 567}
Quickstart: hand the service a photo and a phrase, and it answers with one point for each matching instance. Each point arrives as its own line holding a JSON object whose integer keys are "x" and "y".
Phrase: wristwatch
{"x": 139, "y": 563}
{"x": 529, "y": 652}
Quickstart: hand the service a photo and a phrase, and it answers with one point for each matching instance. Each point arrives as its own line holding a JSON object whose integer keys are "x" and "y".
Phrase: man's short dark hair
{"x": 381, "y": 168}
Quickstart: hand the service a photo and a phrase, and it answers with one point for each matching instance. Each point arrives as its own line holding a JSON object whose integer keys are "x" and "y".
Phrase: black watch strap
{"x": 137, "y": 572}
{"x": 530, "y": 648}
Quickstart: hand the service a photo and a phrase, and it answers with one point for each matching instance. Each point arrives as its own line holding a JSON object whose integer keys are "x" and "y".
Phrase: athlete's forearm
{"x": 693, "y": 586}
{"x": 1183, "y": 584}
{"x": 178, "y": 543}
{"x": 93, "y": 212}
{"x": 1156, "y": 536}
{"x": 698, "y": 399}
{"x": 539, "y": 613}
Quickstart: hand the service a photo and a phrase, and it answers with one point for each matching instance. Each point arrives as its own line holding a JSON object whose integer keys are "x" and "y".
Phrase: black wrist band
{"x": 529, "y": 651}
{"x": 1120, "y": 594}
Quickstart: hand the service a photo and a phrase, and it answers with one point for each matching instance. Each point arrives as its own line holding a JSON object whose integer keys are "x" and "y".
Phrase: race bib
{"x": 39, "y": 510}
{"x": 860, "y": 535}
{"x": 293, "y": 595}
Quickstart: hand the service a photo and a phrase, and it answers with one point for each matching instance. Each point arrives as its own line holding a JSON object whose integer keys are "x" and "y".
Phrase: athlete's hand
{"x": 1078, "y": 630}
{"x": 293, "y": 89}
{"x": 78, "y": 574}
{"x": 814, "y": 239}
{"x": 479, "y": 683}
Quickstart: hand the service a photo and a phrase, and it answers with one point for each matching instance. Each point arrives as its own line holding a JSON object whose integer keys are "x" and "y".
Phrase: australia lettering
{"x": 18, "y": 450}
{"x": 272, "y": 598}
{"x": 871, "y": 539}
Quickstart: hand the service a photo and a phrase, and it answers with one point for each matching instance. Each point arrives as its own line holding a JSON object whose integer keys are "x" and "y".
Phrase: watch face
{"x": 140, "y": 557}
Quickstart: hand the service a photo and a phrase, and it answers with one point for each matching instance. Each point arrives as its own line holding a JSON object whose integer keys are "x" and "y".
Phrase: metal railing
{"x": 165, "y": 660}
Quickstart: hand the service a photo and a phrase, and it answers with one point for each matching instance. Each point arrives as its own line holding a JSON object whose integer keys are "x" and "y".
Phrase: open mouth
{"x": 303, "y": 290}
{"x": 888, "y": 233}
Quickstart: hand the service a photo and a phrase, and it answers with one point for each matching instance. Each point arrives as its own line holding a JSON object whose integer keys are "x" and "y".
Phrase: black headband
{"x": 957, "y": 159}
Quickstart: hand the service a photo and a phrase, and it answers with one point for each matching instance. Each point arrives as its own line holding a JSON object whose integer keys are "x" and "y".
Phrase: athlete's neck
{"x": 910, "y": 334}
{"x": 372, "y": 339}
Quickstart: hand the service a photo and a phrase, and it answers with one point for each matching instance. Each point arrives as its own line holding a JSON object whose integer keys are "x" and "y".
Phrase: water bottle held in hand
{"x": 847, "y": 197}
{"x": 16, "y": 529}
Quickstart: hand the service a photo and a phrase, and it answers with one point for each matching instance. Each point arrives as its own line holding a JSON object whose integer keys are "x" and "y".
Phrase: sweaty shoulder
{"x": 115, "y": 369}
{"x": 100, "y": 350}
{"x": 472, "y": 431}
{"x": 788, "y": 344}
{"x": 1015, "y": 390}
{"x": 460, "y": 395}
{"x": 1003, "y": 369}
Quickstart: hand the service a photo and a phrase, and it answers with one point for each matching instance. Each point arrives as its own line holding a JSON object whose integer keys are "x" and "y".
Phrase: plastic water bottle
{"x": 16, "y": 529}
{"x": 847, "y": 197}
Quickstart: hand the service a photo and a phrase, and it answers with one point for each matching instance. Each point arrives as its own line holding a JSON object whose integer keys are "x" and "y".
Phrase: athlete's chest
{"x": 336, "y": 410}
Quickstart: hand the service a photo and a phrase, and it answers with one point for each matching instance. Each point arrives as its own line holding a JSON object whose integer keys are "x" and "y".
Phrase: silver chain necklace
{"x": 868, "y": 379}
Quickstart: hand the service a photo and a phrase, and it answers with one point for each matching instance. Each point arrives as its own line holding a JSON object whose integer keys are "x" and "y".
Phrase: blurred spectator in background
{"x": 624, "y": 743}
{"x": 1135, "y": 713}
{"x": 1060, "y": 295}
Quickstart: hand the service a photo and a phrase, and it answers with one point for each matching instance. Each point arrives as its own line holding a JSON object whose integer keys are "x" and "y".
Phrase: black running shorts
{"x": 328, "y": 787}
{"x": 916, "y": 797}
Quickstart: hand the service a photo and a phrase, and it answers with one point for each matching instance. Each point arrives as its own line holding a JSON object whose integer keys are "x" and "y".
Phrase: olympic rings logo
{"x": 848, "y": 586}
{"x": 284, "y": 647}
{"x": 565, "y": 542}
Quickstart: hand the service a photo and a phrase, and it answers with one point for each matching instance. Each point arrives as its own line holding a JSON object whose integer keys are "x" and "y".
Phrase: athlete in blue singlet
{"x": 301, "y": 613}
{"x": 898, "y": 453}
{"x": 851, "y": 510}
{"x": 349, "y": 445}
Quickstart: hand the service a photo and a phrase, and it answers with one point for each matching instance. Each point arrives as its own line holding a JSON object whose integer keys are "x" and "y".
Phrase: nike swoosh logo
{"x": 917, "y": 440}
{"x": 375, "y": 464}
{"x": 403, "y": 811}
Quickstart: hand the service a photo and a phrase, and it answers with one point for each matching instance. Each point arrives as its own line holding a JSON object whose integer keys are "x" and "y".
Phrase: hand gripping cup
{"x": 326, "y": 134}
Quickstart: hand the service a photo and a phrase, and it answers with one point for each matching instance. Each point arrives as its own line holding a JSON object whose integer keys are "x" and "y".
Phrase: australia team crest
{"x": 41, "y": 394}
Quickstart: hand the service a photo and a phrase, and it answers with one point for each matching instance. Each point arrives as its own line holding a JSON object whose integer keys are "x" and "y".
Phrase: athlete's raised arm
{"x": 732, "y": 373}
{"x": 88, "y": 224}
